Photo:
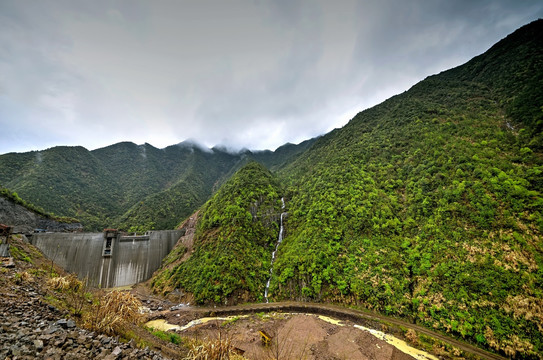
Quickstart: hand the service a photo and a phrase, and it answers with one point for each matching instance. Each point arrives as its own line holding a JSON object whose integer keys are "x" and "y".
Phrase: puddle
{"x": 161, "y": 325}
{"x": 398, "y": 344}
{"x": 208, "y": 319}
{"x": 164, "y": 326}
{"x": 330, "y": 320}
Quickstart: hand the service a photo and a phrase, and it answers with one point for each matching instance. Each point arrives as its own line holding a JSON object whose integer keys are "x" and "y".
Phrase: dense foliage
{"x": 426, "y": 207}
{"x": 68, "y": 181}
{"x": 128, "y": 186}
{"x": 429, "y": 206}
{"x": 234, "y": 240}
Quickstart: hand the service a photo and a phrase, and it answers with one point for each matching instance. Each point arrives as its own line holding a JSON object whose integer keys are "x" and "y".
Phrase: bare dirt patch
{"x": 293, "y": 336}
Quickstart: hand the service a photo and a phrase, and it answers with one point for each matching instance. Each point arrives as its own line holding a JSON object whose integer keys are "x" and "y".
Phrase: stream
{"x": 279, "y": 240}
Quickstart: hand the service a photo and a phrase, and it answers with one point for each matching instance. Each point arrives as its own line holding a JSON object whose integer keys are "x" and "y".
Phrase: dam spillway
{"x": 108, "y": 259}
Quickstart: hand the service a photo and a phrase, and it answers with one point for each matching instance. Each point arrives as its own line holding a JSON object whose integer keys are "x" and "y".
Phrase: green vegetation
{"x": 166, "y": 336}
{"x": 164, "y": 209}
{"x": 233, "y": 242}
{"x": 229, "y": 321}
{"x": 68, "y": 181}
{"x": 429, "y": 206}
{"x": 127, "y": 186}
{"x": 19, "y": 255}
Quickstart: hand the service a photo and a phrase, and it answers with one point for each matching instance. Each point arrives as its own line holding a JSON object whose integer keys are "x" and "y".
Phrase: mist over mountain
{"x": 133, "y": 187}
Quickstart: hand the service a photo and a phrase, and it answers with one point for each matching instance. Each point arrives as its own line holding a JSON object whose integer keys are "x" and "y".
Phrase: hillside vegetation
{"x": 128, "y": 186}
{"x": 14, "y": 198}
{"x": 236, "y": 234}
{"x": 427, "y": 207}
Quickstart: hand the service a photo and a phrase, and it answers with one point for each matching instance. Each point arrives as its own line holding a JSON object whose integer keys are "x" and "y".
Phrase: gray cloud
{"x": 250, "y": 74}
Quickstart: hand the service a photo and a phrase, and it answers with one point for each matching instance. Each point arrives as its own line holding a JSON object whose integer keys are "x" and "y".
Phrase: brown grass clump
{"x": 412, "y": 336}
{"x": 512, "y": 346}
{"x": 218, "y": 349}
{"x": 112, "y": 311}
{"x": 527, "y": 307}
{"x": 23, "y": 277}
{"x": 64, "y": 283}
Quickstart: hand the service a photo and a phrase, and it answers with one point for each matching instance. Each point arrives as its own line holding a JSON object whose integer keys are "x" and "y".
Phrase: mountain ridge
{"x": 133, "y": 187}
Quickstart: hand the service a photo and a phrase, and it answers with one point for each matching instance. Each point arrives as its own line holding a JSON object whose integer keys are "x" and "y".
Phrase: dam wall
{"x": 108, "y": 259}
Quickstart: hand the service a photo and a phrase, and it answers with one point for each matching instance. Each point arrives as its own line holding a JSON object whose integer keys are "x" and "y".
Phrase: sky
{"x": 240, "y": 74}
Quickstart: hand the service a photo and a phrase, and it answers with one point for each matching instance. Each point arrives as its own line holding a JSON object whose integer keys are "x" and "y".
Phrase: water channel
{"x": 279, "y": 240}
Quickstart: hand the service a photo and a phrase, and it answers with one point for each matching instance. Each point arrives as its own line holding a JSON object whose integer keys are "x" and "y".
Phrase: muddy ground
{"x": 293, "y": 336}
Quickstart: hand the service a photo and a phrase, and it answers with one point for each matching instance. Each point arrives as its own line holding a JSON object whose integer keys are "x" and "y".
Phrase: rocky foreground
{"x": 31, "y": 329}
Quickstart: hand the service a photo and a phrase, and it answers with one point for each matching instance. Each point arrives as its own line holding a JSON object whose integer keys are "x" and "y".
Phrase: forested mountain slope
{"x": 236, "y": 233}
{"x": 426, "y": 207}
{"x": 429, "y": 206}
{"x": 24, "y": 217}
{"x": 67, "y": 181}
{"x": 132, "y": 187}
{"x": 95, "y": 186}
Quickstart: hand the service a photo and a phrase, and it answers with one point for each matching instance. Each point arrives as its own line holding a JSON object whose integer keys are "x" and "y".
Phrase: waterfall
{"x": 279, "y": 240}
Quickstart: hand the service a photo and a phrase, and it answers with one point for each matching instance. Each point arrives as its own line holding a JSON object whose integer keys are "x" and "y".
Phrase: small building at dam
{"x": 108, "y": 259}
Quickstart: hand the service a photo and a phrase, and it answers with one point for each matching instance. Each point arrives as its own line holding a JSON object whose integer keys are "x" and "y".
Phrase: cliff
{"x": 24, "y": 221}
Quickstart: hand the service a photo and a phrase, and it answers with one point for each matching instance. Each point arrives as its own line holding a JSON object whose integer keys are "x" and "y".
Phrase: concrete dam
{"x": 108, "y": 259}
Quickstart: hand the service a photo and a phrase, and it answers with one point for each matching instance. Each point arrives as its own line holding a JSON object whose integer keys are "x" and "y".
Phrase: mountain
{"x": 132, "y": 187}
{"x": 426, "y": 207}
{"x": 236, "y": 232}
{"x": 67, "y": 181}
{"x": 283, "y": 155}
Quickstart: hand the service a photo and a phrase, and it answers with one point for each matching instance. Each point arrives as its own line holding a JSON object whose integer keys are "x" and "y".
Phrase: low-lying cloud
{"x": 252, "y": 74}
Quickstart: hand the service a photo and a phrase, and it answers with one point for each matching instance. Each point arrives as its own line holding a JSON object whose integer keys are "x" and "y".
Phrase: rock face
{"x": 25, "y": 221}
{"x": 31, "y": 329}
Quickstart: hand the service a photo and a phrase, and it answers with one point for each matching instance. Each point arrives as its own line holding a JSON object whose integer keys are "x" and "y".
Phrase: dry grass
{"x": 23, "y": 277}
{"x": 513, "y": 346}
{"x": 112, "y": 311}
{"x": 218, "y": 349}
{"x": 64, "y": 283}
{"x": 412, "y": 336}
{"x": 527, "y": 307}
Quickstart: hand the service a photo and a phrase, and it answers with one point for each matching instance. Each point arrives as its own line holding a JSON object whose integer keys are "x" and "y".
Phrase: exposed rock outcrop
{"x": 25, "y": 221}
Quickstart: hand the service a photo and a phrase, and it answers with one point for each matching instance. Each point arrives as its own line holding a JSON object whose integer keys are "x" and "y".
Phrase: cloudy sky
{"x": 252, "y": 73}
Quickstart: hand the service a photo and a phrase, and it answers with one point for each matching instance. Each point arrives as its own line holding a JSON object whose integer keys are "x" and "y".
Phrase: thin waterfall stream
{"x": 279, "y": 240}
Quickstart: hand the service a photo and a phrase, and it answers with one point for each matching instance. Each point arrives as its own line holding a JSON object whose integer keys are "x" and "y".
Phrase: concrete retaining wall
{"x": 133, "y": 258}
